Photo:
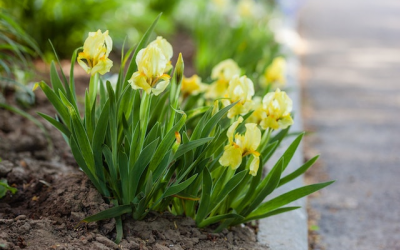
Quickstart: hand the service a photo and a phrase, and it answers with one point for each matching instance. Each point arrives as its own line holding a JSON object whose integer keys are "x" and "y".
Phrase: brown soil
{"x": 45, "y": 214}
{"x": 54, "y": 195}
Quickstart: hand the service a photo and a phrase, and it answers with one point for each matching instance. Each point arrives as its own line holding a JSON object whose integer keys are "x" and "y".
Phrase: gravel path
{"x": 353, "y": 86}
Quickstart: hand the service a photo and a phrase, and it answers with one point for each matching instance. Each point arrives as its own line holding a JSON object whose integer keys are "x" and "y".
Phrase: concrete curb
{"x": 288, "y": 231}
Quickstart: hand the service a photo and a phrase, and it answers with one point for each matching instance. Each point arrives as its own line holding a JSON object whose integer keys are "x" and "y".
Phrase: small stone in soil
{"x": 129, "y": 245}
{"x": 159, "y": 235}
{"x": 214, "y": 235}
{"x": 151, "y": 239}
{"x": 107, "y": 227}
{"x": 99, "y": 246}
{"x": 77, "y": 216}
{"x": 89, "y": 236}
{"x": 144, "y": 234}
{"x": 142, "y": 246}
{"x": 20, "y": 217}
{"x": 105, "y": 241}
{"x": 172, "y": 235}
{"x": 187, "y": 222}
{"x": 187, "y": 244}
{"x": 176, "y": 247}
{"x": 245, "y": 234}
{"x": 195, "y": 232}
{"x": 5, "y": 168}
{"x": 17, "y": 175}
{"x": 61, "y": 227}
{"x": 24, "y": 228}
{"x": 160, "y": 247}
{"x": 229, "y": 237}
{"x": 92, "y": 225}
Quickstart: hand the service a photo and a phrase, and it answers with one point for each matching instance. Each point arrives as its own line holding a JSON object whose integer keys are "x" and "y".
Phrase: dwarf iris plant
{"x": 145, "y": 145}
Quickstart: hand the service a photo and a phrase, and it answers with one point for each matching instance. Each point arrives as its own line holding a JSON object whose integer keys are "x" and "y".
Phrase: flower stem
{"x": 265, "y": 139}
{"x": 144, "y": 120}
{"x": 94, "y": 82}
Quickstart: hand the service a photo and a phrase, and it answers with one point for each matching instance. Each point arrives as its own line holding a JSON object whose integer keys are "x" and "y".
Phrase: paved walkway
{"x": 353, "y": 57}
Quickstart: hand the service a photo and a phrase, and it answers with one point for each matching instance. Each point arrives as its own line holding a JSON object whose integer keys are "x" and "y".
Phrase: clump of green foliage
{"x": 65, "y": 23}
{"x": 143, "y": 153}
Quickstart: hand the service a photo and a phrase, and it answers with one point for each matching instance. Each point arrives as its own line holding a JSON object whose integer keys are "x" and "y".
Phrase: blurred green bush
{"x": 66, "y": 23}
{"x": 16, "y": 50}
{"x": 220, "y": 29}
{"x": 224, "y": 29}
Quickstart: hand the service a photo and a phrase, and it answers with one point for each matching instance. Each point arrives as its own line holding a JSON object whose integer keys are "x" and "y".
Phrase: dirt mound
{"x": 45, "y": 215}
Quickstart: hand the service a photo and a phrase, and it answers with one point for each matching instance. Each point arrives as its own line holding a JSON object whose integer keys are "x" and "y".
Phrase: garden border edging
{"x": 288, "y": 231}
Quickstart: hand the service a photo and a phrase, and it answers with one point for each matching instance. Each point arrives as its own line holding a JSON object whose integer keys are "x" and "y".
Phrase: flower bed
{"x": 156, "y": 146}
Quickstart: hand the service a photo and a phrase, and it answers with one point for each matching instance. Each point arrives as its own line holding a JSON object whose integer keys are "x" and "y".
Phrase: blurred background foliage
{"x": 66, "y": 23}
{"x": 16, "y": 50}
{"x": 218, "y": 29}
{"x": 223, "y": 29}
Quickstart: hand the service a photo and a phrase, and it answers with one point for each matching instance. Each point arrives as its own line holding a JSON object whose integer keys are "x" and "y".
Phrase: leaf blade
{"x": 109, "y": 213}
{"x": 288, "y": 197}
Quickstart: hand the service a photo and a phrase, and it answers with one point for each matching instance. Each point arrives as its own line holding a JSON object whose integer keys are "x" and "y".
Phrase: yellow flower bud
{"x": 179, "y": 67}
{"x": 242, "y": 146}
{"x": 178, "y": 137}
{"x": 96, "y": 49}
{"x": 35, "y": 86}
{"x": 177, "y": 143}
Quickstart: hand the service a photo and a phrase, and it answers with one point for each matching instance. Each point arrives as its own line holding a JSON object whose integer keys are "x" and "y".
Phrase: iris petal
{"x": 232, "y": 157}
{"x": 152, "y": 62}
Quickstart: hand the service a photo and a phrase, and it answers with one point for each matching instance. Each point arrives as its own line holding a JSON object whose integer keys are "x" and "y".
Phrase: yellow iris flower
{"x": 192, "y": 86}
{"x": 277, "y": 107}
{"x": 223, "y": 72}
{"x": 275, "y": 72}
{"x": 242, "y": 146}
{"x": 94, "y": 58}
{"x": 257, "y": 115}
{"x": 152, "y": 62}
{"x": 246, "y": 8}
{"x": 220, "y": 6}
{"x": 240, "y": 89}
